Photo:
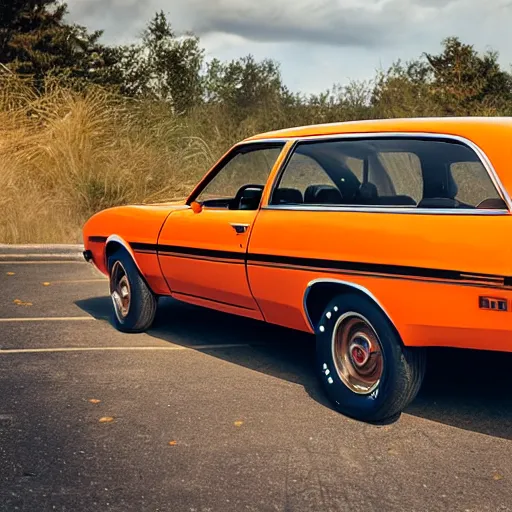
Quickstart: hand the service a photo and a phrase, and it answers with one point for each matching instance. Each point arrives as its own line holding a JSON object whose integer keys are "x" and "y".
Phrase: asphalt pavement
{"x": 209, "y": 412}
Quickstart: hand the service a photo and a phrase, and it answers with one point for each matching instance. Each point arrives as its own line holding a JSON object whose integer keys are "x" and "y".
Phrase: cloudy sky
{"x": 317, "y": 42}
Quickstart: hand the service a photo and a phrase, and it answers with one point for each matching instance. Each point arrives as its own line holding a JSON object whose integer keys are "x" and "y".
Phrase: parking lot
{"x": 208, "y": 412}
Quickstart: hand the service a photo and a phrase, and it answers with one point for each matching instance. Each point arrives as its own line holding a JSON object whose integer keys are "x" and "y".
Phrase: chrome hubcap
{"x": 120, "y": 290}
{"x": 357, "y": 353}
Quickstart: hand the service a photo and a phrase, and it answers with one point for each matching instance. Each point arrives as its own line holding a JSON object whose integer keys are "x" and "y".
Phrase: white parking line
{"x": 51, "y": 257}
{"x": 42, "y": 262}
{"x": 48, "y": 319}
{"x": 75, "y": 281}
{"x": 118, "y": 349}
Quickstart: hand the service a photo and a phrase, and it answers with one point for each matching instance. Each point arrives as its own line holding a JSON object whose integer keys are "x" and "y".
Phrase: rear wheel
{"x": 363, "y": 365}
{"x": 134, "y": 303}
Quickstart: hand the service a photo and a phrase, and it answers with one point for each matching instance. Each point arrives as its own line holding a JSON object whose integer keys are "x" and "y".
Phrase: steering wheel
{"x": 235, "y": 204}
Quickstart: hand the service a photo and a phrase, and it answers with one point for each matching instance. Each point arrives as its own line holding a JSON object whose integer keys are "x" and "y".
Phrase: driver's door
{"x": 202, "y": 253}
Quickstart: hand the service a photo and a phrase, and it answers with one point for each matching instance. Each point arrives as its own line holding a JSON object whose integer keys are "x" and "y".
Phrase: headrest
{"x": 440, "y": 183}
{"x": 368, "y": 191}
{"x": 322, "y": 194}
{"x": 438, "y": 202}
{"x": 287, "y": 196}
{"x": 493, "y": 204}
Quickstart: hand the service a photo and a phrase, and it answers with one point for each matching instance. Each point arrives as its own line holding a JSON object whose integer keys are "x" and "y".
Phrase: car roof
{"x": 457, "y": 126}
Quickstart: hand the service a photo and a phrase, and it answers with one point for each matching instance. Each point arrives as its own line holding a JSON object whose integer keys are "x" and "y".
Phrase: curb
{"x": 41, "y": 252}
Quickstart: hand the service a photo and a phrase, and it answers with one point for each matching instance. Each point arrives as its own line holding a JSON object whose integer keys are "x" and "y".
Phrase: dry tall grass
{"x": 71, "y": 150}
{"x": 67, "y": 154}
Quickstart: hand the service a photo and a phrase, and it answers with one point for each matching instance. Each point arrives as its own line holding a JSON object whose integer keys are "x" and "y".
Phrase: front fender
{"x": 125, "y": 226}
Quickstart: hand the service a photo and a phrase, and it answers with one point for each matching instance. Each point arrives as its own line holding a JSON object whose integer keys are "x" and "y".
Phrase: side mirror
{"x": 196, "y": 207}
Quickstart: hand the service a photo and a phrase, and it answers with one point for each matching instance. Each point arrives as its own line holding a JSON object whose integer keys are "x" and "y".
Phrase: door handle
{"x": 240, "y": 228}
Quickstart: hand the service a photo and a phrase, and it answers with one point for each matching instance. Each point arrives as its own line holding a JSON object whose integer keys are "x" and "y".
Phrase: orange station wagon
{"x": 380, "y": 237}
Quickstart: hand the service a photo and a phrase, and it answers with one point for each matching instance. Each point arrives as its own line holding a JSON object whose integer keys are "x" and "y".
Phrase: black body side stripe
{"x": 210, "y": 253}
{"x": 188, "y": 251}
{"x": 216, "y": 301}
{"x": 138, "y": 247}
{"x": 373, "y": 268}
{"x": 98, "y": 239}
{"x": 331, "y": 265}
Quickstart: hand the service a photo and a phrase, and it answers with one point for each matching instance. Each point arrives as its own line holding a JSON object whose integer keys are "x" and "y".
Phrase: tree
{"x": 465, "y": 80}
{"x": 245, "y": 84}
{"x": 163, "y": 65}
{"x": 35, "y": 40}
{"x": 405, "y": 90}
{"x": 457, "y": 81}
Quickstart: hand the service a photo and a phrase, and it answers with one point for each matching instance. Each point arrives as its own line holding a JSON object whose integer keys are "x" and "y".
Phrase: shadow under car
{"x": 467, "y": 389}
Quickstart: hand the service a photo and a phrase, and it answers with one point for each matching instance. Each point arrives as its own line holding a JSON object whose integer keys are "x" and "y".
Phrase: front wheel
{"x": 365, "y": 369}
{"x": 134, "y": 303}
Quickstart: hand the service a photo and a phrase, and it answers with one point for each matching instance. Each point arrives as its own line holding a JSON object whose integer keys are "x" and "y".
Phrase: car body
{"x": 410, "y": 216}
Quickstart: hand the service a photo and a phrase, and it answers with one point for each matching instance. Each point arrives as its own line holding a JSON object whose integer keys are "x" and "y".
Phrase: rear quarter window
{"x": 473, "y": 182}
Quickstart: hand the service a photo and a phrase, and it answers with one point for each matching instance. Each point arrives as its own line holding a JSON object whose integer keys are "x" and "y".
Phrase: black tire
{"x": 142, "y": 302}
{"x": 402, "y": 368}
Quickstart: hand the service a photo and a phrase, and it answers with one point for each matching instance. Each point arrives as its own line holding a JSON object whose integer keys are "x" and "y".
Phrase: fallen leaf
{"x": 173, "y": 443}
{"x": 46, "y": 284}
{"x": 238, "y": 423}
{"x": 106, "y": 419}
{"x": 392, "y": 451}
{"x": 19, "y": 302}
{"x": 94, "y": 401}
{"x": 11, "y": 273}
{"x": 497, "y": 476}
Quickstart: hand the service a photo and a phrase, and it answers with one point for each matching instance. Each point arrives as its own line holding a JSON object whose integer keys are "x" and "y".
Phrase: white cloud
{"x": 363, "y": 23}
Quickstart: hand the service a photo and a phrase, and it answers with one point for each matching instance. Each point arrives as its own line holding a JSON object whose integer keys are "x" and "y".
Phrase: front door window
{"x": 240, "y": 181}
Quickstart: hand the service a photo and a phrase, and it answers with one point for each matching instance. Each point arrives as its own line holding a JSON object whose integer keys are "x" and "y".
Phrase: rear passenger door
{"x": 406, "y": 217}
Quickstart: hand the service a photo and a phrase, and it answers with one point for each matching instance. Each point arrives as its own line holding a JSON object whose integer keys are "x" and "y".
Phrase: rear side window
{"x": 395, "y": 172}
{"x": 305, "y": 172}
{"x": 404, "y": 171}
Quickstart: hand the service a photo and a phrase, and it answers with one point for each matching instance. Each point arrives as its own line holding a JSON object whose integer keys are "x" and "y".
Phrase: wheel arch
{"x": 320, "y": 292}
{"x": 115, "y": 243}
